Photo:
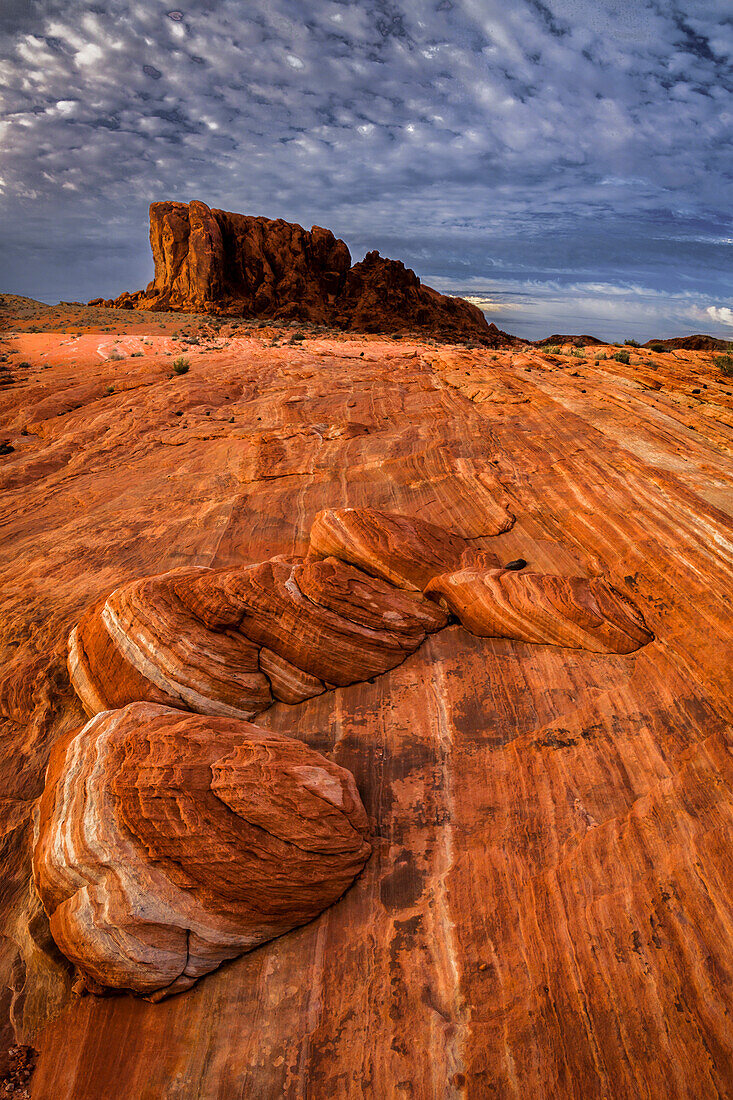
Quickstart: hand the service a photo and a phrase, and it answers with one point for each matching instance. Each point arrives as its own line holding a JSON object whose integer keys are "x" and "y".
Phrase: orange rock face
{"x": 153, "y": 917}
{"x": 546, "y": 909}
{"x": 533, "y": 607}
{"x": 225, "y": 642}
{"x": 169, "y": 843}
{"x": 218, "y": 262}
{"x": 406, "y": 551}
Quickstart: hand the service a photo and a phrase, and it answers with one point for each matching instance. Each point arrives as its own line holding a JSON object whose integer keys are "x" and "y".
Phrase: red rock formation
{"x": 170, "y": 842}
{"x": 224, "y": 642}
{"x": 148, "y": 880}
{"x": 383, "y": 295}
{"x": 218, "y": 262}
{"x": 405, "y": 551}
{"x": 697, "y": 342}
{"x": 576, "y": 341}
{"x": 533, "y": 607}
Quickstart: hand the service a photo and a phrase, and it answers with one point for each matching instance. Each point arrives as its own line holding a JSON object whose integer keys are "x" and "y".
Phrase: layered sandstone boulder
{"x": 169, "y": 842}
{"x": 406, "y": 551}
{"x": 215, "y": 261}
{"x": 229, "y": 642}
{"x": 573, "y": 612}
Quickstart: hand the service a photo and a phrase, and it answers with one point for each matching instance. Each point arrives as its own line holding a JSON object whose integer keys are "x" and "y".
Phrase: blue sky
{"x": 566, "y": 163}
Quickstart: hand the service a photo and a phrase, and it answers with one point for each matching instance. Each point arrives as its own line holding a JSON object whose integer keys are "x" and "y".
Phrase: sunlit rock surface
{"x": 169, "y": 843}
{"x": 536, "y": 607}
{"x": 546, "y": 911}
{"x": 225, "y": 263}
{"x": 404, "y": 550}
{"x": 194, "y": 639}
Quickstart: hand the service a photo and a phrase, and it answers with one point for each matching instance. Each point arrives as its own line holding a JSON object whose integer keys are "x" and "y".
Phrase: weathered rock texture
{"x": 169, "y": 843}
{"x": 534, "y": 607}
{"x": 547, "y": 909}
{"x": 195, "y": 638}
{"x": 404, "y": 550}
{"x": 216, "y": 262}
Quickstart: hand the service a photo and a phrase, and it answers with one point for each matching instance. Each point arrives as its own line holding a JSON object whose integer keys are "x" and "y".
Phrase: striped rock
{"x": 228, "y": 642}
{"x": 169, "y": 842}
{"x": 533, "y": 607}
{"x": 405, "y": 551}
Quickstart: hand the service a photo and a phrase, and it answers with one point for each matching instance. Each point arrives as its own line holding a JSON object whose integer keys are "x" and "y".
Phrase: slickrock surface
{"x": 169, "y": 843}
{"x": 224, "y": 263}
{"x": 546, "y": 911}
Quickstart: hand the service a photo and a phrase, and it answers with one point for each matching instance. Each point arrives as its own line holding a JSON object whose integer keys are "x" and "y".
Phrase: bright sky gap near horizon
{"x": 568, "y": 164}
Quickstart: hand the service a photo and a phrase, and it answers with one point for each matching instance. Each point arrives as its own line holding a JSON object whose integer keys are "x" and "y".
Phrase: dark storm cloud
{"x": 564, "y": 152}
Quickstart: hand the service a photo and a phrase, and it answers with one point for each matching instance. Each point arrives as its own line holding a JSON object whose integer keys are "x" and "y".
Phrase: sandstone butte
{"x": 494, "y": 804}
{"x": 217, "y": 262}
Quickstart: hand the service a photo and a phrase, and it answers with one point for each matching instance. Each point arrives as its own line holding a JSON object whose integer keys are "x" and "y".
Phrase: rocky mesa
{"x": 214, "y": 261}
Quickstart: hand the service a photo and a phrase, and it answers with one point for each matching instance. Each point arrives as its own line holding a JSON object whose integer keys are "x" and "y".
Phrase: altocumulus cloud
{"x": 566, "y": 162}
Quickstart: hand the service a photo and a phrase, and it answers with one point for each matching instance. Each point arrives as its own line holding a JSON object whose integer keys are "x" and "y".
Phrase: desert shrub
{"x": 656, "y": 346}
{"x": 181, "y": 365}
{"x": 24, "y": 365}
{"x": 632, "y": 343}
{"x": 724, "y": 363}
{"x": 622, "y": 357}
{"x": 109, "y": 390}
{"x": 577, "y": 353}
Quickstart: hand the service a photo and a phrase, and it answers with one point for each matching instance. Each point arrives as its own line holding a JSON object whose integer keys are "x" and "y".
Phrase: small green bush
{"x": 632, "y": 343}
{"x": 24, "y": 365}
{"x": 658, "y": 347}
{"x": 181, "y": 365}
{"x": 109, "y": 390}
{"x": 724, "y": 363}
{"x": 622, "y": 357}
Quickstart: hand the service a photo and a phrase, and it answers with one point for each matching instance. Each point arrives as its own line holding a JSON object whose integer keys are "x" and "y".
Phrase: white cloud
{"x": 722, "y": 315}
{"x": 89, "y": 54}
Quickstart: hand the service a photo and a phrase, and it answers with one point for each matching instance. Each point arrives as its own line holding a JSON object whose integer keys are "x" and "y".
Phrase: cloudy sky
{"x": 567, "y": 163}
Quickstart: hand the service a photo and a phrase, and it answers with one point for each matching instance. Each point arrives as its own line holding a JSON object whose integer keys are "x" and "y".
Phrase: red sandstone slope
{"x": 546, "y": 911}
{"x": 697, "y": 342}
{"x": 214, "y": 261}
